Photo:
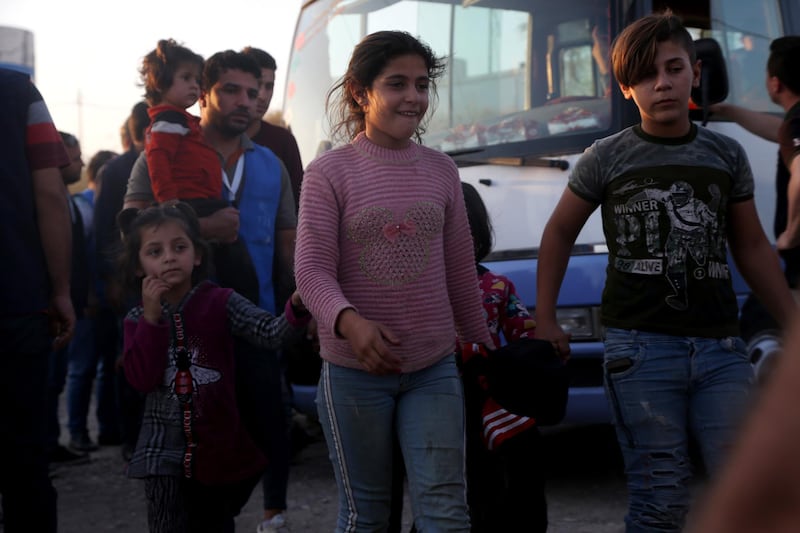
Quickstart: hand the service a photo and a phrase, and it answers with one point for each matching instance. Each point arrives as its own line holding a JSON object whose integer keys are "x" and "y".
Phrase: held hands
{"x": 153, "y": 288}
{"x": 297, "y": 303}
{"x": 370, "y": 342}
{"x": 786, "y": 242}
{"x": 552, "y": 332}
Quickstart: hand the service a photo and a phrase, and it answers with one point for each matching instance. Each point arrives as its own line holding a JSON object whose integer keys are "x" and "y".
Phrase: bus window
{"x": 744, "y": 30}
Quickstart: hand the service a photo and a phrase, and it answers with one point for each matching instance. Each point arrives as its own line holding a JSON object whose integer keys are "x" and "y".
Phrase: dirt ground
{"x": 586, "y": 492}
{"x": 98, "y": 497}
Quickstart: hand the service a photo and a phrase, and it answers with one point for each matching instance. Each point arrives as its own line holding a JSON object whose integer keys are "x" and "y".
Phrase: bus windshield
{"x": 518, "y": 70}
{"x": 527, "y": 87}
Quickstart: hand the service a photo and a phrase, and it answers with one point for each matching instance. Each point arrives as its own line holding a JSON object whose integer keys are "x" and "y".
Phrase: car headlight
{"x": 580, "y": 322}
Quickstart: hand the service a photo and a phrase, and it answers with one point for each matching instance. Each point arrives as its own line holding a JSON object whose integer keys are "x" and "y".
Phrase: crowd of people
{"x": 177, "y": 284}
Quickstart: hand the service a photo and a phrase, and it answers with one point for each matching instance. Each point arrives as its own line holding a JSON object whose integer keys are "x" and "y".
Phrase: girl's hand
{"x": 153, "y": 288}
{"x": 370, "y": 342}
{"x": 297, "y": 303}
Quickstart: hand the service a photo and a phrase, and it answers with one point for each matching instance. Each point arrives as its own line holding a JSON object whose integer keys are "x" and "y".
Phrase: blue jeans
{"x": 663, "y": 390}
{"x": 81, "y": 370}
{"x": 260, "y": 403}
{"x": 360, "y": 414}
{"x": 93, "y": 352}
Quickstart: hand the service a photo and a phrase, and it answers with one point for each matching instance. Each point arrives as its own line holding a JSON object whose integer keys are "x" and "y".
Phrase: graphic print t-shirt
{"x": 664, "y": 205}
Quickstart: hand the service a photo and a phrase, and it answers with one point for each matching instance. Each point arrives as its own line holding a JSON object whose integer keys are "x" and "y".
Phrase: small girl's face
{"x": 185, "y": 88}
{"x": 396, "y": 102}
{"x": 168, "y": 253}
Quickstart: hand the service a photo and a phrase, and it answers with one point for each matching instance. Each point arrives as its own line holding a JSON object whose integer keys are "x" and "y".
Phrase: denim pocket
{"x": 736, "y": 346}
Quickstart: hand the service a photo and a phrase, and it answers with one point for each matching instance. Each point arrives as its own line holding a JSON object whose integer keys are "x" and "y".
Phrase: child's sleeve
{"x": 261, "y": 327}
{"x": 515, "y": 320}
{"x": 145, "y": 352}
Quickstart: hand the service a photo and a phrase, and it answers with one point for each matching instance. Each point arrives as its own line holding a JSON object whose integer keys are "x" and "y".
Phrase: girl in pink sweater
{"x": 385, "y": 264}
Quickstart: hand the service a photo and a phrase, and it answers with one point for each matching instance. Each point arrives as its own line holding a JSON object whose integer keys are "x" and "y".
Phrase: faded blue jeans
{"x": 360, "y": 413}
{"x": 662, "y": 390}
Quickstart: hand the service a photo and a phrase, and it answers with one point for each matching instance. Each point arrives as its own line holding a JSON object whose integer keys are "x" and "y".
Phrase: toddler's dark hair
{"x": 159, "y": 66}
{"x": 369, "y": 58}
{"x": 479, "y": 223}
{"x": 132, "y": 221}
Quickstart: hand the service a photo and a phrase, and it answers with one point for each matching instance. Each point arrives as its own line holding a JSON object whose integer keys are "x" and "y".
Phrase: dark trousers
{"x": 131, "y": 410}
{"x": 179, "y": 505}
{"x": 231, "y": 265}
{"x": 56, "y": 378}
{"x": 29, "y": 499}
{"x": 261, "y": 406}
{"x": 506, "y": 486}
{"x": 108, "y": 345}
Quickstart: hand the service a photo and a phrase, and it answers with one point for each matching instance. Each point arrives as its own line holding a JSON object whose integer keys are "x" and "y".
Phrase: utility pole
{"x": 79, "y": 102}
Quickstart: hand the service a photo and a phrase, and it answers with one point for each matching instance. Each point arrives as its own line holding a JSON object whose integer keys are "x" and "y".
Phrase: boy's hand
{"x": 552, "y": 332}
{"x": 153, "y": 288}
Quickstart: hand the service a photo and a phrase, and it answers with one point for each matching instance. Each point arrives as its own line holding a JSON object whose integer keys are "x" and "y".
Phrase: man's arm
{"x": 764, "y": 125}
{"x": 55, "y": 233}
{"x": 758, "y": 262}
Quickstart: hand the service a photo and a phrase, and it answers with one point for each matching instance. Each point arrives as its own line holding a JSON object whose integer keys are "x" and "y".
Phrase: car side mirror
{"x": 713, "y": 86}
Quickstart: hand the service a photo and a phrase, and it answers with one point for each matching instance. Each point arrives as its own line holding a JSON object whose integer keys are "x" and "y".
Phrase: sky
{"x": 87, "y": 52}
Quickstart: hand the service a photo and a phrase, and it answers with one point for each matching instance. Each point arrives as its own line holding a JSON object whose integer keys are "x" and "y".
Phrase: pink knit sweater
{"x": 385, "y": 232}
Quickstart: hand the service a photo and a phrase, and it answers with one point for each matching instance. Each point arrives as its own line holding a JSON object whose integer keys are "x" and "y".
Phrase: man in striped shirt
{"x": 36, "y": 313}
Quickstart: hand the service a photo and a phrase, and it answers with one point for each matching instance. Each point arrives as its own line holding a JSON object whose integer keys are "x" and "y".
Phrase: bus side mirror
{"x": 713, "y": 86}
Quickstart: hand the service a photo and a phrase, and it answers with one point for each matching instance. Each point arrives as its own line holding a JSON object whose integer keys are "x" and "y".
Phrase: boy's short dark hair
{"x": 634, "y": 50}
{"x": 138, "y": 121}
{"x": 262, "y": 57}
{"x": 784, "y": 61}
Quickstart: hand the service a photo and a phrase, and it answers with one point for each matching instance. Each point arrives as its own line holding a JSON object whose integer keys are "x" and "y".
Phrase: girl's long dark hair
{"x": 369, "y": 59}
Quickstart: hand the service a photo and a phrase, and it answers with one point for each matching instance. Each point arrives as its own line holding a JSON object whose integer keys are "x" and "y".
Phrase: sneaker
{"x": 82, "y": 444}
{"x": 109, "y": 439}
{"x": 63, "y": 455}
{"x": 126, "y": 451}
{"x": 272, "y": 525}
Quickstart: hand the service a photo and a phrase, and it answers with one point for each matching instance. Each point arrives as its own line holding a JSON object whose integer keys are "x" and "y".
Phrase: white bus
{"x": 523, "y": 96}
